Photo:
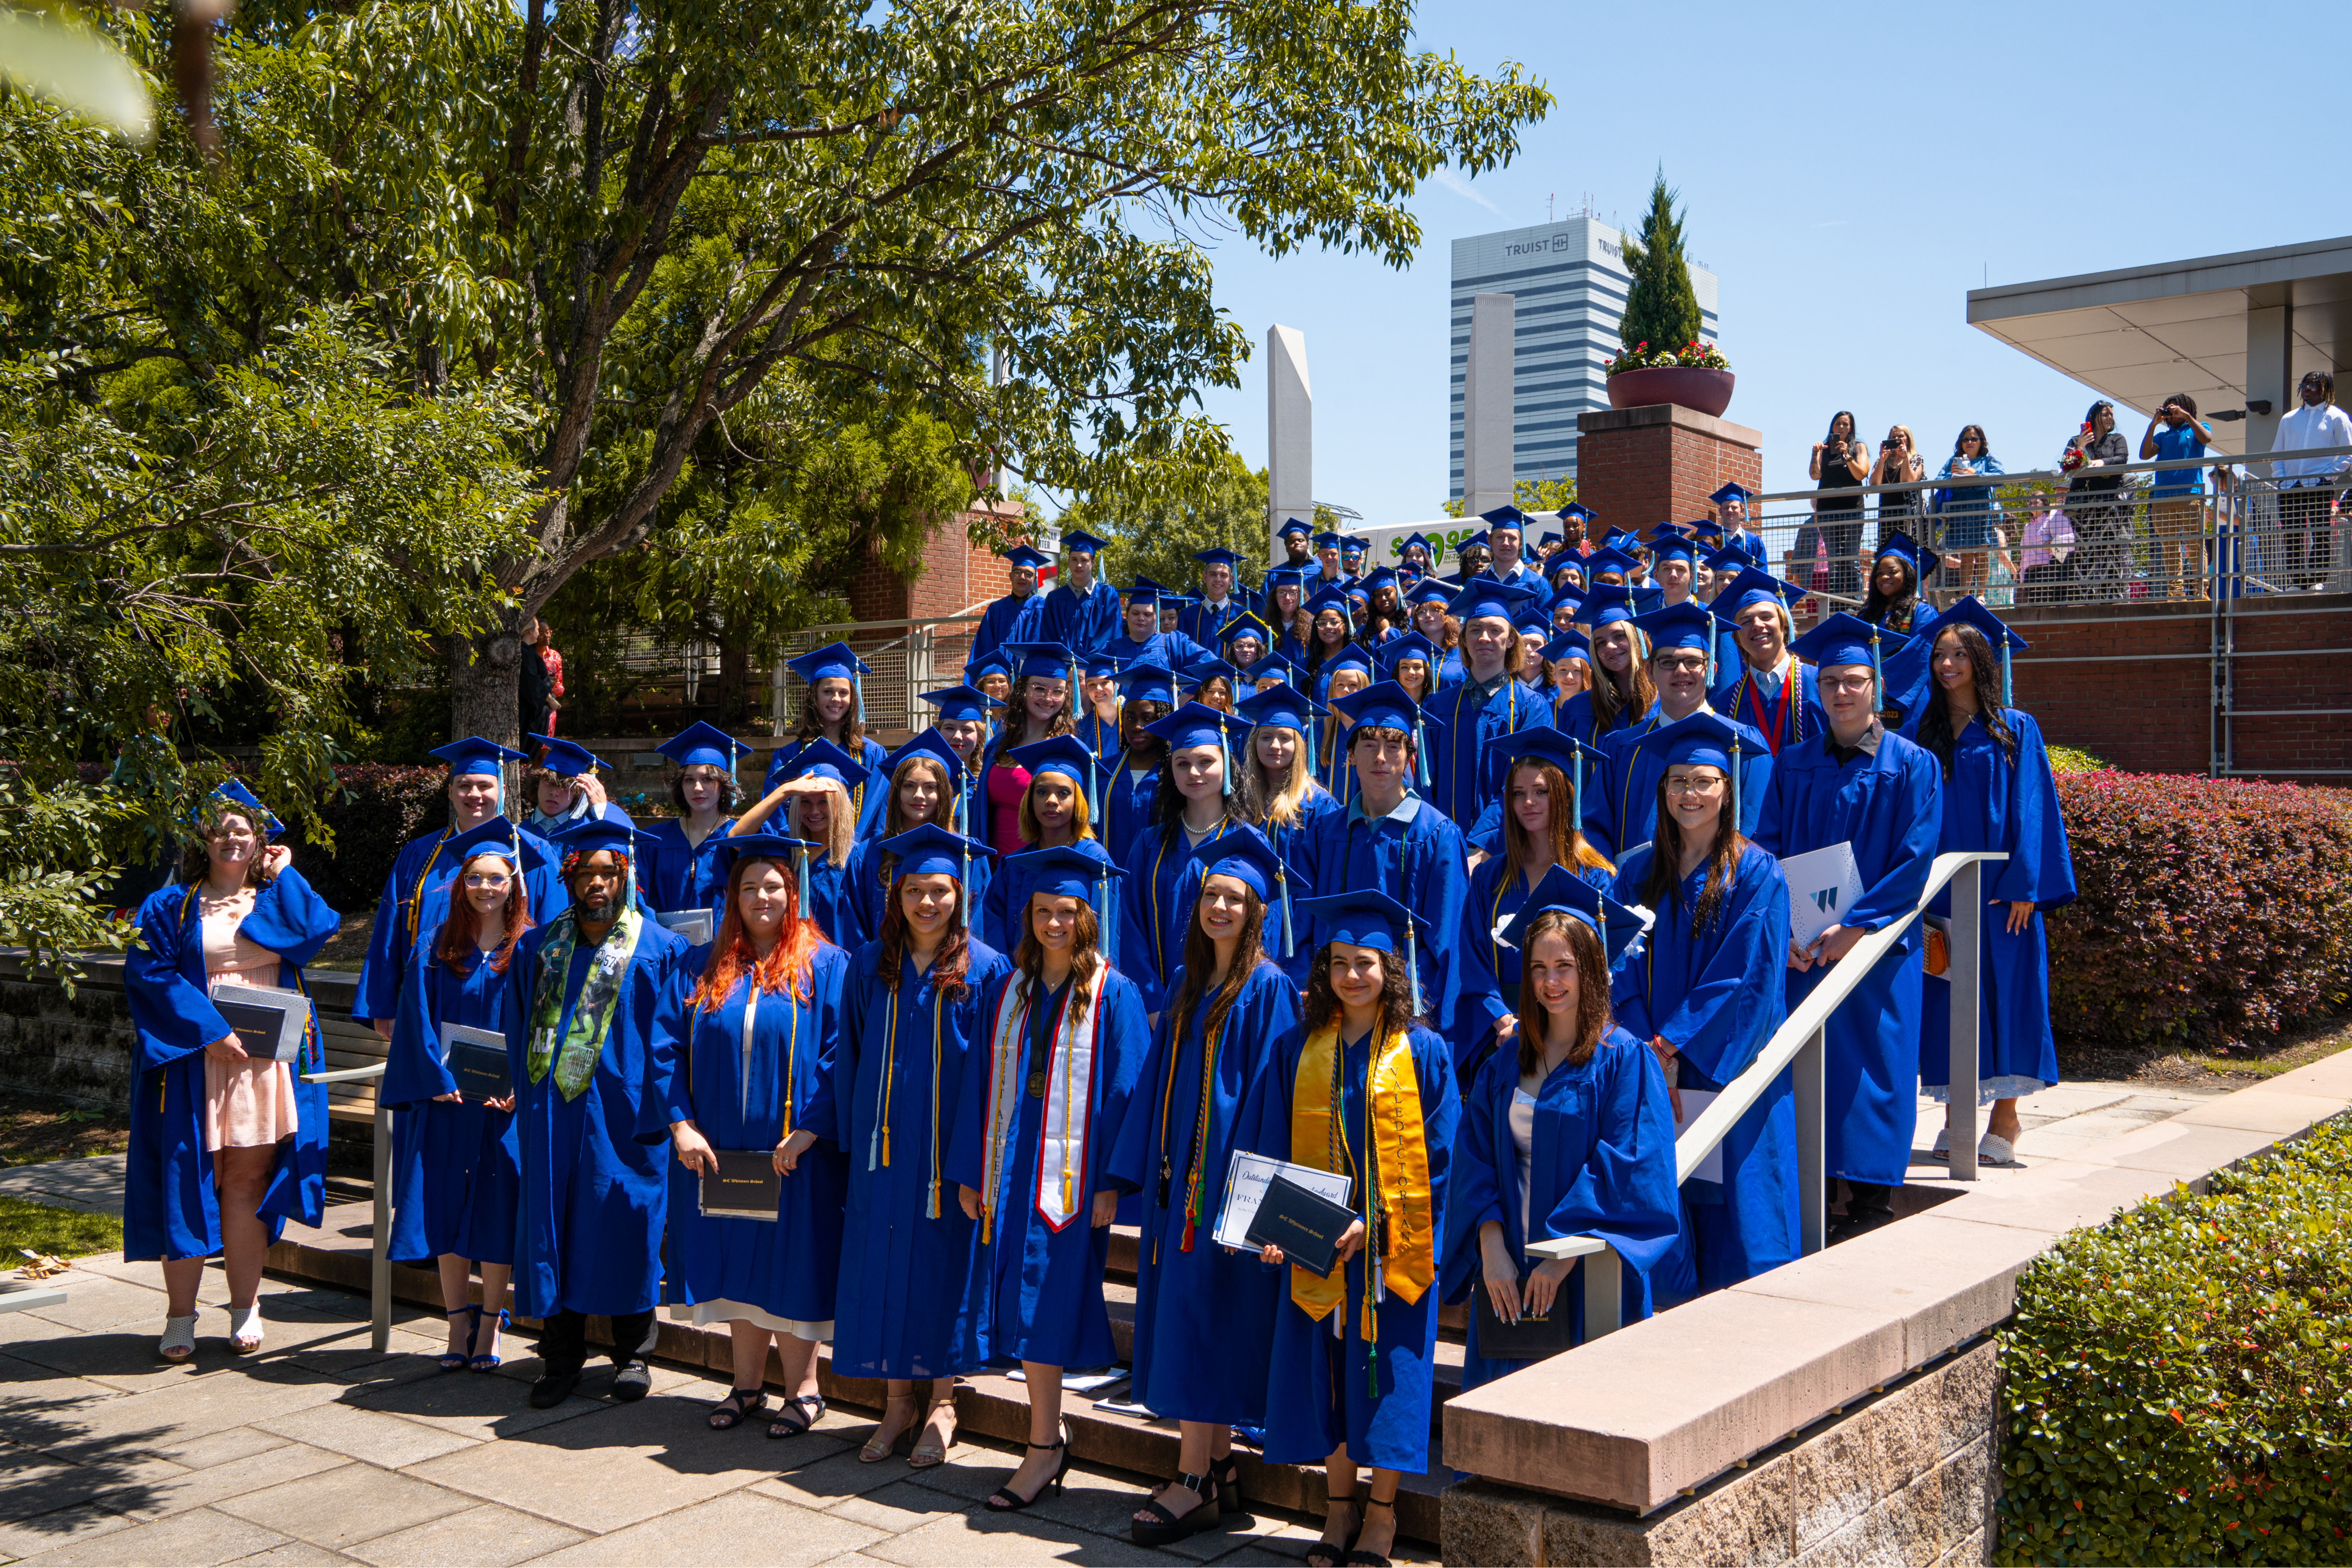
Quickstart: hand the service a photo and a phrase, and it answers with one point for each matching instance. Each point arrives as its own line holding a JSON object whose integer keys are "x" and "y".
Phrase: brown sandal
{"x": 875, "y": 1450}
{"x": 927, "y": 1456}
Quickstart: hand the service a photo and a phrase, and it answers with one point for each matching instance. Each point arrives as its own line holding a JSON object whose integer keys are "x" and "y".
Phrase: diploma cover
{"x": 268, "y": 1020}
{"x": 745, "y": 1186}
{"x": 476, "y": 1059}
{"x": 1529, "y": 1339}
{"x": 1306, "y": 1225}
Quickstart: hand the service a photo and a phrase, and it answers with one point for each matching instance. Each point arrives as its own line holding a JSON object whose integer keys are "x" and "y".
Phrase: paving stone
{"x": 196, "y": 1407}
{"x": 897, "y": 1508}
{"x": 147, "y": 1271}
{"x": 36, "y": 1488}
{"x": 740, "y": 1528}
{"x": 468, "y": 1407}
{"x": 483, "y": 1536}
{"x": 1022, "y": 1537}
{"x": 199, "y": 1537}
{"x": 158, "y": 1496}
{"x": 122, "y": 1359}
{"x": 293, "y": 1554}
{"x": 343, "y": 1507}
{"x": 380, "y": 1439}
{"x": 217, "y": 1447}
{"x": 61, "y": 1527}
{"x": 103, "y": 1303}
{"x": 821, "y": 1483}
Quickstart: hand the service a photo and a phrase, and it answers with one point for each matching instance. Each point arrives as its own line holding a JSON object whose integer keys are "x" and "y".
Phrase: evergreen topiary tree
{"x": 1661, "y": 308}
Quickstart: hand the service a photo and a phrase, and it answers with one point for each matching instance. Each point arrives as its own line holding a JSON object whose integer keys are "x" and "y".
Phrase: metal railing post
{"x": 1964, "y": 939}
{"x": 380, "y": 1264}
{"x": 1604, "y": 1299}
{"x": 1813, "y": 1155}
{"x": 776, "y": 699}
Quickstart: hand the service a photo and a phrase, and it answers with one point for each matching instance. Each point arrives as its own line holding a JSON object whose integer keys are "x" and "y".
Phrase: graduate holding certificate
{"x": 224, "y": 1146}
{"x": 1065, "y": 1038}
{"x": 1360, "y": 1090}
{"x": 1706, "y": 992}
{"x": 1568, "y": 1131}
{"x": 455, "y": 1182}
{"x": 1205, "y": 1313}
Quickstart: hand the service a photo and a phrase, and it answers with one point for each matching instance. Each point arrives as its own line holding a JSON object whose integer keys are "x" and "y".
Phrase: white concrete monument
{"x": 1289, "y": 435}
{"x": 1489, "y": 411}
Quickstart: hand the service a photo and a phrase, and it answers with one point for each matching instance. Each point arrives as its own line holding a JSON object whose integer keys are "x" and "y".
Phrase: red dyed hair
{"x": 732, "y": 956}
{"x": 459, "y": 927}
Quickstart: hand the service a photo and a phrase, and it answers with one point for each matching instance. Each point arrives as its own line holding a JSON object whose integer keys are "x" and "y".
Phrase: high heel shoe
{"x": 1331, "y": 1554}
{"x": 486, "y": 1361}
{"x": 455, "y": 1360}
{"x": 1160, "y": 1526}
{"x": 1228, "y": 1472}
{"x": 875, "y": 1450}
{"x": 1004, "y": 1499}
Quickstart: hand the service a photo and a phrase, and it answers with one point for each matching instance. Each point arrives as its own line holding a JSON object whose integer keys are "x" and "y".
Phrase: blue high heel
{"x": 455, "y": 1360}
{"x": 487, "y": 1362}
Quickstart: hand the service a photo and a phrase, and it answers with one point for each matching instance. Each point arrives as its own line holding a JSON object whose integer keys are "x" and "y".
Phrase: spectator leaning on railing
{"x": 2102, "y": 560}
{"x": 2175, "y": 501}
{"x": 2310, "y": 487}
{"x": 1966, "y": 510}
{"x": 1840, "y": 462}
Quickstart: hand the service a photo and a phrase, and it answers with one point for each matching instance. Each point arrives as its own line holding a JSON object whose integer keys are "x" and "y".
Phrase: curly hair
{"x": 949, "y": 964}
{"x": 734, "y": 955}
{"x": 196, "y": 854}
{"x": 1323, "y": 1009}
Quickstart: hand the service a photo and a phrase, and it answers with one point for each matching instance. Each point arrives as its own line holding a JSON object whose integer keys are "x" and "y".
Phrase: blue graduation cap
{"x": 1559, "y": 888}
{"x": 1285, "y": 577}
{"x": 1971, "y": 612}
{"x": 930, "y": 850}
{"x": 1509, "y": 517}
{"x": 833, "y": 661}
{"x": 1624, "y": 539}
{"x": 1197, "y": 724}
{"x": 1366, "y": 917}
{"x": 475, "y": 755}
{"x": 1144, "y": 591}
{"x": 1706, "y": 738}
{"x": 1671, "y": 545}
{"x": 1330, "y": 597}
{"x": 1051, "y": 660}
{"x": 1103, "y": 666}
{"x": 568, "y": 758}
{"x": 1429, "y": 591}
{"x": 1067, "y": 871}
{"x": 1294, "y": 526}
{"x": 1648, "y": 596}
{"x": 703, "y": 745}
{"x": 1023, "y": 556}
{"x": 1410, "y": 540}
{"x": 1245, "y": 624}
{"x": 1411, "y": 645}
{"x": 1729, "y": 558}
{"x": 960, "y": 704}
{"x": 1488, "y": 596}
{"x": 1243, "y": 854}
{"x": 1687, "y": 624}
{"x": 1844, "y": 638}
{"x": 1078, "y": 540}
{"x": 1351, "y": 546}
{"x": 1733, "y": 493}
{"x": 1750, "y": 588}
{"x": 1150, "y": 679}
{"x": 1569, "y": 644}
{"x": 1578, "y": 511}
{"x": 819, "y": 758}
{"x": 1550, "y": 542}
{"x": 234, "y": 792}
{"x": 1218, "y": 556}
{"x": 1328, "y": 541}
{"x": 929, "y": 743}
{"x": 1272, "y": 667}
{"x": 1899, "y": 544}
{"x": 1569, "y": 561}
{"x": 1281, "y": 708}
{"x": 1070, "y": 757}
{"x": 1380, "y": 577}
{"x": 1610, "y": 559}
{"x": 1208, "y": 667}
{"x": 1607, "y": 603}
{"x": 496, "y": 835}
{"x": 764, "y": 844}
{"x": 1351, "y": 655}
{"x": 590, "y": 835}
{"x": 1476, "y": 539}
{"x": 1548, "y": 743}
{"x": 1390, "y": 706}
{"x": 1535, "y": 618}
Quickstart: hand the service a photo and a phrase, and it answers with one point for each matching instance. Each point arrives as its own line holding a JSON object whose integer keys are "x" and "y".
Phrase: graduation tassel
{"x": 1878, "y": 675}
{"x": 1576, "y": 787}
{"x": 1108, "y": 926}
{"x": 1283, "y": 878}
{"x": 1224, "y": 759}
{"x": 1735, "y": 781}
{"x": 803, "y": 879}
{"x": 1412, "y": 967}
{"x": 1420, "y": 750}
{"x": 2004, "y": 672}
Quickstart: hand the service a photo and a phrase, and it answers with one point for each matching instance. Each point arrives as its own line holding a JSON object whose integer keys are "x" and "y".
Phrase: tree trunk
{"x": 482, "y": 691}
{"x": 734, "y": 679}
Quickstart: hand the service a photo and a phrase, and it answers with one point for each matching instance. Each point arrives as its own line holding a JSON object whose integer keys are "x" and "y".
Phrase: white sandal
{"x": 1942, "y": 1149}
{"x": 179, "y": 1340}
{"x": 245, "y": 1328}
{"x": 1996, "y": 1152}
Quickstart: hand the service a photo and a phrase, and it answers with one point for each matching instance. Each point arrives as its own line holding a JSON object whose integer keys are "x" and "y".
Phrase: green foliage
{"x": 2074, "y": 760}
{"x": 1661, "y": 307}
{"x": 1156, "y": 521}
{"x": 2174, "y": 1383}
{"x": 54, "y": 865}
{"x": 369, "y": 812}
{"x": 1531, "y": 496}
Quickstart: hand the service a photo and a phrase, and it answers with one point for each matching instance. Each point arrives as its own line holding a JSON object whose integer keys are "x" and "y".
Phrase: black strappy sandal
{"x": 1228, "y": 1472}
{"x": 1004, "y": 1499}
{"x": 798, "y": 1404}
{"x": 737, "y": 1408}
{"x": 1371, "y": 1559}
{"x": 1164, "y": 1526}
{"x": 1332, "y": 1554}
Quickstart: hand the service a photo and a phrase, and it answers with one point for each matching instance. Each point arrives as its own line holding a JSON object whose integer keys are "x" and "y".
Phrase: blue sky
{"x": 1850, "y": 174}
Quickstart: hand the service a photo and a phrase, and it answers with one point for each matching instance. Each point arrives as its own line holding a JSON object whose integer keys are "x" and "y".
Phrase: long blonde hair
{"x": 1284, "y": 802}
{"x": 840, "y": 828}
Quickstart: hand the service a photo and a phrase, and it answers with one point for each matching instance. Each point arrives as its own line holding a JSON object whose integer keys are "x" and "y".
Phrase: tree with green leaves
{"x": 1156, "y": 519}
{"x": 1661, "y": 307}
{"x": 1531, "y": 496}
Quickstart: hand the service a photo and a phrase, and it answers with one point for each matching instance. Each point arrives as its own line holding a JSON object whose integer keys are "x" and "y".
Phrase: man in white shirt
{"x": 2309, "y": 488}
{"x": 1507, "y": 539}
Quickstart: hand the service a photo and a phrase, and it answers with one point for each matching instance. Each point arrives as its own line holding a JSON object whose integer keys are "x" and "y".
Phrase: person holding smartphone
{"x": 1838, "y": 463}
{"x": 1898, "y": 464}
{"x": 2175, "y": 501}
{"x": 2102, "y": 560}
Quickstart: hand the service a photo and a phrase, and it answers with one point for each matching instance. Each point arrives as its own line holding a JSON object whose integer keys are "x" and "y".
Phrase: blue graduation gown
{"x": 1154, "y": 910}
{"x": 170, "y": 1209}
{"x": 1490, "y": 967}
{"x": 1040, "y": 1289}
{"x": 1578, "y": 719}
{"x": 1717, "y": 998}
{"x": 1991, "y": 802}
{"x": 833, "y": 904}
{"x": 680, "y": 875}
{"x": 1462, "y": 777}
{"x": 1415, "y": 854}
{"x": 1890, "y": 808}
{"x": 871, "y": 753}
{"x": 588, "y": 1231}
{"x": 1908, "y": 678}
{"x": 1009, "y": 619}
{"x": 907, "y": 1306}
{"x": 1624, "y": 812}
{"x": 1202, "y": 623}
{"x": 1743, "y": 699}
{"x": 1336, "y": 777}
{"x": 416, "y": 899}
{"x": 1085, "y": 621}
{"x": 1602, "y": 1162}
{"x": 1007, "y": 900}
{"x": 1126, "y": 806}
{"x": 864, "y": 889}
{"x": 1317, "y": 1394}
{"x": 738, "y": 1097}
{"x": 1171, "y": 651}
{"x": 1204, "y": 1318}
{"x": 1097, "y": 734}
{"x": 455, "y": 1183}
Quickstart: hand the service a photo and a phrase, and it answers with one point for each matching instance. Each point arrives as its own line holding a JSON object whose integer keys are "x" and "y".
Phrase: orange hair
{"x": 732, "y": 956}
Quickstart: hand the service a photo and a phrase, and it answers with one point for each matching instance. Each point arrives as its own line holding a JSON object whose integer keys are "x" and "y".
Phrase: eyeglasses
{"x": 1694, "y": 785}
{"x": 488, "y": 880}
{"x": 1683, "y": 666}
{"x": 1845, "y": 683}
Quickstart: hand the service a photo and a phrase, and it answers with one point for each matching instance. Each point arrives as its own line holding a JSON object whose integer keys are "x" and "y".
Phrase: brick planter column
{"x": 1637, "y": 467}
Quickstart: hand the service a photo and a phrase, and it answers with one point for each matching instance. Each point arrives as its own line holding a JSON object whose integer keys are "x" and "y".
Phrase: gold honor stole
{"x": 1400, "y": 1245}
{"x": 1069, "y": 1068}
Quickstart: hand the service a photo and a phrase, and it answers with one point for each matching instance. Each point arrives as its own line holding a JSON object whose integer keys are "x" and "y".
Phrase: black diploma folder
{"x": 1306, "y": 1225}
{"x": 476, "y": 1060}
{"x": 745, "y": 1186}
{"x": 1529, "y": 1339}
{"x": 267, "y": 1021}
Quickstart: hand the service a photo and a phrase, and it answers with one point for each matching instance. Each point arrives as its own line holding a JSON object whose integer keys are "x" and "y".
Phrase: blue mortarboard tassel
{"x": 1735, "y": 781}
{"x": 1420, "y": 749}
{"x": 1576, "y": 787}
{"x": 1094, "y": 811}
{"x": 1878, "y": 674}
{"x": 1224, "y": 759}
{"x": 1107, "y": 924}
{"x": 2004, "y": 673}
{"x": 1282, "y": 875}
{"x": 802, "y": 879}
{"x": 964, "y": 888}
{"x": 1412, "y": 967}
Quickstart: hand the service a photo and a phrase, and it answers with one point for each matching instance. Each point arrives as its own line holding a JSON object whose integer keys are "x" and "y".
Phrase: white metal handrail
{"x": 380, "y": 1264}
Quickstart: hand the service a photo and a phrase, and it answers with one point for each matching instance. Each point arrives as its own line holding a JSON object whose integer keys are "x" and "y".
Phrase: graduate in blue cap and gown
{"x": 564, "y": 788}
{"x": 1222, "y": 596}
{"x": 1708, "y": 991}
{"x": 1732, "y": 503}
{"x": 602, "y": 1009}
{"x": 1020, "y": 616}
{"x": 751, "y": 1071}
{"x": 1507, "y": 538}
{"x": 1532, "y": 828}
{"x": 1412, "y": 661}
{"x": 681, "y": 866}
{"x": 1493, "y": 697}
{"x": 926, "y": 787}
{"x": 1426, "y": 603}
{"x": 1330, "y": 634}
{"x": 1858, "y": 785}
{"x": 1894, "y": 601}
{"x": 832, "y": 709}
{"x": 991, "y": 673}
{"x": 1141, "y": 639}
{"x": 1349, "y": 672}
{"x": 1204, "y": 794}
{"x": 1999, "y": 795}
{"x": 1245, "y": 639}
{"x": 1568, "y": 1131}
{"x": 1624, "y": 812}
{"x": 1046, "y": 676}
{"x": 1285, "y": 596}
{"x": 1416, "y": 558}
{"x": 811, "y": 803}
{"x": 1096, "y": 724}
{"x": 965, "y": 717}
{"x": 1289, "y": 799}
{"x": 1057, "y": 809}
{"x": 1131, "y": 779}
{"x": 1082, "y": 611}
{"x": 1389, "y": 836}
{"x": 1359, "y": 1089}
{"x": 1758, "y": 691}
{"x": 911, "y": 1031}
{"x": 1063, "y": 1040}
{"x": 455, "y": 1183}
{"x": 1618, "y": 693}
{"x": 1205, "y": 1313}
{"x": 223, "y": 1148}
{"x": 417, "y": 893}
{"x": 1330, "y": 570}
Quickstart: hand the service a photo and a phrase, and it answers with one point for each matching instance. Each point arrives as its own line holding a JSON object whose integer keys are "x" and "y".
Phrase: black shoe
{"x": 553, "y": 1389}
{"x": 631, "y": 1381}
{"x": 1229, "y": 1489}
{"x": 1164, "y": 1526}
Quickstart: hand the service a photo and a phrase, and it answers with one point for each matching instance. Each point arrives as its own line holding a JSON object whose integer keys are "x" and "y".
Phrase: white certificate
{"x": 692, "y": 924}
{"x": 1823, "y": 885}
{"x": 1246, "y": 1180}
{"x": 1694, "y": 1102}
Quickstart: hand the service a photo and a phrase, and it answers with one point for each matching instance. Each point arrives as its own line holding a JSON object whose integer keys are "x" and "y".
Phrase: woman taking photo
{"x": 1840, "y": 462}
{"x": 1204, "y": 794}
{"x": 224, "y": 1147}
{"x": 1040, "y": 709}
{"x": 682, "y": 869}
{"x": 1205, "y": 1313}
{"x": 1621, "y": 693}
{"x": 1707, "y": 992}
{"x": 1898, "y": 464}
{"x": 455, "y": 1185}
{"x": 925, "y": 781}
{"x": 1064, "y": 1037}
{"x": 1569, "y": 1131}
{"x": 2102, "y": 561}
{"x": 753, "y": 1075}
{"x": 1056, "y": 813}
{"x": 1966, "y": 511}
{"x": 1998, "y": 796}
{"x": 910, "y": 1034}
{"x": 1361, "y": 1090}
{"x": 834, "y": 710}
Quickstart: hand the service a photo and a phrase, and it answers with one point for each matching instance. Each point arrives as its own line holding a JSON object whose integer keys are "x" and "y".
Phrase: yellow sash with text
{"x": 1396, "y": 1201}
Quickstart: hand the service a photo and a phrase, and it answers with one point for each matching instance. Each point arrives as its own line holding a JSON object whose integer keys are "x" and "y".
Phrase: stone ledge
{"x": 1669, "y": 416}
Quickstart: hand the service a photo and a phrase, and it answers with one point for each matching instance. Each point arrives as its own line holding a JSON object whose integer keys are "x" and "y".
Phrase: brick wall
{"x": 1637, "y": 467}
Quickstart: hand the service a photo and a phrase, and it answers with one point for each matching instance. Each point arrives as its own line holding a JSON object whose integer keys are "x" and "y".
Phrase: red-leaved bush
{"x": 2212, "y": 912}
{"x": 375, "y": 809}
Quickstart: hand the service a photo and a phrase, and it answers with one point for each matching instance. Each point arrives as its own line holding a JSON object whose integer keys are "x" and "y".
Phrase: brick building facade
{"x": 1640, "y": 467}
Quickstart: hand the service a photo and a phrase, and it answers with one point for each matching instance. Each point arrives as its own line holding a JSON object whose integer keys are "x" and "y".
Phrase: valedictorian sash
{"x": 1399, "y": 1251}
{"x": 1066, "y": 1076}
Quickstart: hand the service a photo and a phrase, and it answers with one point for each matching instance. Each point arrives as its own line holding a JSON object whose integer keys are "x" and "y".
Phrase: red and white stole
{"x": 1059, "y": 1189}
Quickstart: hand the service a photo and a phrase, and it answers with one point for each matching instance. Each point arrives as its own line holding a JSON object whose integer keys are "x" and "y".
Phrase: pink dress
{"x": 248, "y": 1104}
{"x": 1007, "y": 781}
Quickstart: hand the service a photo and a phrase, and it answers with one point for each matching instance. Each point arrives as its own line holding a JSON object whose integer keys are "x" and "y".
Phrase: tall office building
{"x": 1571, "y": 281}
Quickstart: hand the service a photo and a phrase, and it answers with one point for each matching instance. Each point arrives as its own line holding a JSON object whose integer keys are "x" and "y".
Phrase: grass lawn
{"x": 30, "y": 1227}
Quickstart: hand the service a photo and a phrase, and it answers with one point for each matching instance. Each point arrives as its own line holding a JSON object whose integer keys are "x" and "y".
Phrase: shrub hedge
{"x": 2074, "y": 760}
{"x": 375, "y": 809}
{"x": 2212, "y": 912}
{"x": 2175, "y": 1382}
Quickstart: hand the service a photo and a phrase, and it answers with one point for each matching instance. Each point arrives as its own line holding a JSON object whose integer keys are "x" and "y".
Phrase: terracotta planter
{"x": 1708, "y": 391}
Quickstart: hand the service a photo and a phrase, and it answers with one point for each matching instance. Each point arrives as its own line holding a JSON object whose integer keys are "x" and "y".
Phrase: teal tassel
{"x": 1108, "y": 923}
{"x": 1878, "y": 675}
{"x": 1735, "y": 781}
{"x": 2004, "y": 673}
{"x": 1289, "y": 948}
{"x": 804, "y": 889}
{"x": 1576, "y": 787}
{"x": 1224, "y": 761}
{"x": 1419, "y": 750}
{"x": 1413, "y": 967}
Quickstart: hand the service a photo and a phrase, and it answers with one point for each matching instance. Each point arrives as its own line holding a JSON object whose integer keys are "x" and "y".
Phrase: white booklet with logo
{"x": 1824, "y": 884}
{"x": 1245, "y": 1181}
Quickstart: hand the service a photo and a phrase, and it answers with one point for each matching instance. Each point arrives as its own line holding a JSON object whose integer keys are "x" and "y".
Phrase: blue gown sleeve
{"x": 1755, "y": 785}
{"x": 968, "y": 1143}
{"x": 1917, "y": 824}
{"x": 1126, "y": 1042}
{"x": 1732, "y": 1007}
{"x": 174, "y": 1015}
{"x": 1475, "y": 1186}
{"x": 1137, "y": 954}
{"x": 290, "y": 920}
{"x": 828, "y": 974}
{"x": 1771, "y": 833}
{"x": 1443, "y": 893}
{"x": 1601, "y": 795}
{"x": 379, "y": 970}
{"x": 1480, "y": 1001}
{"x": 993, "y": 915}
{"x": 1441, "y": 1113}
{"x": 1625, "y": 991}
{"x": 1131, "y": 1152}
{"x": 2041, "y": 866}
{"x": 1626, "y": 1193}
{"x": 413, "y": 1070}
